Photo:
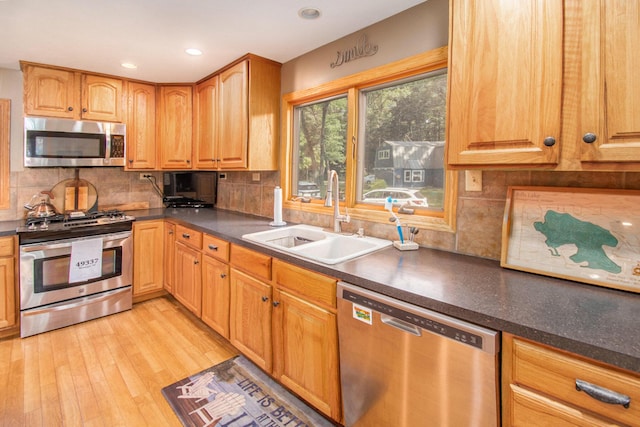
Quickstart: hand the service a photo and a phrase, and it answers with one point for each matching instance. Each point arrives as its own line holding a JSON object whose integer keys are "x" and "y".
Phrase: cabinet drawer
{"x": 189, "y": 237}
{"x": 254, "y": 263}
{"x": 215, "y": 247}
{"x": 6, "y": 246}
{"x": 311, "y": 285}
{"x": 555, "y": 374}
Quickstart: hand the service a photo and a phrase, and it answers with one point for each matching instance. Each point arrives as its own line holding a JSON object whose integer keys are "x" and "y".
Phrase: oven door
{"x": 44, "y": 270}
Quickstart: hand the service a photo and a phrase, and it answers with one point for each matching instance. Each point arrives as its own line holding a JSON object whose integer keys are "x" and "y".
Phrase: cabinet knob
{"x": 213, "y": 247}
{"x": 589, "y": 138}
{"x": 170, "y": 231}
{"x": 185, "y": 235}
{"x": 265, "y": 299}
{"x": 69, "y": 108}
{"x": 130, "y": 161}
{"x": 222, "y": 275}
{"x": 549, "y": 141}
{"x": 276, "y": 303}
{"x": 196, "y": 262}
{"x": 84, "y": 110}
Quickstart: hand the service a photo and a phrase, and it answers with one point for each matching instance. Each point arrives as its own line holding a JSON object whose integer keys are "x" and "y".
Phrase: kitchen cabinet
{"x": 148, "y": 256}
{"x": 66, "y": 93}
{"x": 206, "y": 124}
{"x": 544, "y": 386}
{"x": 7, "y": 282}
{"x": 169, "y": 255}
{"x": 215, "y": 284}
{"x": 141, "y": 126}
{"x": 250, "y": 305}
{"x": 554, "y": 88}
{"x": 505, "y": 74}
{"x": 248, "y": 114}
{"x": 175, "y": 114}
{"x": 609, "y": 113}
{"x": 5, "y": 153}
{"x": 187, "y": 285}
{"x": 305, "y": 336}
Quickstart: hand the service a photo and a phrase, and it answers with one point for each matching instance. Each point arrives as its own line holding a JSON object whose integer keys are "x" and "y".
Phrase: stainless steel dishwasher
{"x": 402, "y": 365}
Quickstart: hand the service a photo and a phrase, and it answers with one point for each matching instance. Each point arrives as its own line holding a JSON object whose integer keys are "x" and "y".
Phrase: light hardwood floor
{"x": 106, "y": 372}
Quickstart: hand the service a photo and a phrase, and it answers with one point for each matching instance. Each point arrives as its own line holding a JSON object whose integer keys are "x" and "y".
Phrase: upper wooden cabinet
{"x": 544, "y": 84}
{"x": 608, "y": 102}
{"x": 505, "y": 82}
{"x": 205, "y": 132}
{"x": 237, "y": 116}
{"x": 65, "y": 93}
{"x": 141, "y": 126}
{"x": 175, "y": 113}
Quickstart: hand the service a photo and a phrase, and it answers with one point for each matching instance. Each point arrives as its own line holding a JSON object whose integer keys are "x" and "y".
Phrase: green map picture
{"x": 586, "y": 235}
{"x": 563, "y": 229}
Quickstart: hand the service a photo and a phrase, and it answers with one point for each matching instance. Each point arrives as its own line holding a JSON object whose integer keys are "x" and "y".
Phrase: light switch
{"x": 473, "y": 180}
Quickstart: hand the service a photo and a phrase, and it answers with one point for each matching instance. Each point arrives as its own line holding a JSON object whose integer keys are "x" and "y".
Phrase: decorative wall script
{"x": 361, "y": 49}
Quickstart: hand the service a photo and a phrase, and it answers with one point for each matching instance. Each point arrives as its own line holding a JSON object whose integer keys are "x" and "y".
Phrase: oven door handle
{"x": 67, "y": 244}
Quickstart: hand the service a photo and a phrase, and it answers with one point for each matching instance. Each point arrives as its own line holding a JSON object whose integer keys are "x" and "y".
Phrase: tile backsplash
{"x": 479, "y": 214}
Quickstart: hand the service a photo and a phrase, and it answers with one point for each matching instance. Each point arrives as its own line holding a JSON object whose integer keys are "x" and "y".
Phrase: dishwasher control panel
{"x": 424, "y": 319}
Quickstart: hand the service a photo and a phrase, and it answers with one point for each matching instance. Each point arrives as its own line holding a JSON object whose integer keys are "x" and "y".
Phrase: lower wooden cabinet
{"x": 543, "y": 386}
{"x": 148, "y": 256}
{"x": 7, "y": 282}
{"x": 215, "y": 295}
{"x": 188, "y": 280}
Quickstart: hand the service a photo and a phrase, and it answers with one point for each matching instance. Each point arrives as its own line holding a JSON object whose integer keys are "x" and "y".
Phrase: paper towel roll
{"x": 277, "y": 208}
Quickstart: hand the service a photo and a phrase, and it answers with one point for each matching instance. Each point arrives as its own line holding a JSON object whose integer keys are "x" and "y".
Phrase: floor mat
{"x": 236, "y": 393}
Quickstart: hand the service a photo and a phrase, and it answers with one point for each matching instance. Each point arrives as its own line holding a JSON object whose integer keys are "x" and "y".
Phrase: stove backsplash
{"x": 113, "y": 185}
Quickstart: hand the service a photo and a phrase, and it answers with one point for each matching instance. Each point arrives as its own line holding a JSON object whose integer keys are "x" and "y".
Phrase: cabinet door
{"x": 188, "y": 278}
{"x": 7, "y": 283}
{"x": 148, "y": 254}
{"x": 102, "y": 98}
{"x": 233, "y": 116}
{"x": 175, "y": 126}
{"x": 250, "y": 321}
{"x": 141, "y": 126}
{"x": 215, "y": 295}
{"x": 306, "y": 351}
{"x": 610, "y": 85}
{"x": 206, "y": 124}
{"x": 505, "y": 81}
{"x": 169, "y": 255}
{"x": 50, "y": 92}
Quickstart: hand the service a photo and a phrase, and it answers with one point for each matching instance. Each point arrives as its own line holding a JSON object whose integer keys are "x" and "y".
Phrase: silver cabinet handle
{"x": 603, "y": 394}
{"x": 185, "y": 235}
{"x": 213, "y": 248}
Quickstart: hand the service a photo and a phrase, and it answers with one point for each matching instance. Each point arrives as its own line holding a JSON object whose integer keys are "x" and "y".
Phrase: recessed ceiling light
{"x": 129, "y": 65}
{"x": 193, "y": 51}
{"x": 309, "y": 13}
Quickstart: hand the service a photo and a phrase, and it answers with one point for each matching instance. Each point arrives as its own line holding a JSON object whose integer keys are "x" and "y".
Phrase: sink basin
{"x": 316, "y": 244}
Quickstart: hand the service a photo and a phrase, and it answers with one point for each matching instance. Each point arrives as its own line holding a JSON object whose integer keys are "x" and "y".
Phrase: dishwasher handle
{"x": 399, "y": 324}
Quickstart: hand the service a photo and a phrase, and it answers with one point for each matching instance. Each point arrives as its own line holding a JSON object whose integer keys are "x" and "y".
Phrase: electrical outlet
{"x": 255, "y": 176}
{"x": 143, "y": 176}
{"x": 473, "y": 180}
{"x": 222, "y": 176}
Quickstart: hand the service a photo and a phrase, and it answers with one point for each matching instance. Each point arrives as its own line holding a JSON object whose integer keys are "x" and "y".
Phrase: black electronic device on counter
{"x": 189, "y": 189}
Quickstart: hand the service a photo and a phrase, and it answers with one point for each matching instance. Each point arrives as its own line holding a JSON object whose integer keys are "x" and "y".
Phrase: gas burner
{"x": 74, "y": 225}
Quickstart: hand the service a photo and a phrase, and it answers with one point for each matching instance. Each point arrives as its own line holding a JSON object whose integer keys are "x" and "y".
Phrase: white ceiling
{"x": 98, "y": 35}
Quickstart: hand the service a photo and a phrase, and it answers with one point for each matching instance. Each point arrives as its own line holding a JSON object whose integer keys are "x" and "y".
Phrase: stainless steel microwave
{"x": 72, "y": 143}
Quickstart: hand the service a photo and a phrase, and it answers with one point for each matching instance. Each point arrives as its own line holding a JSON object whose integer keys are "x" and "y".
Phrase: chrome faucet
{"x": 333, "y": 199}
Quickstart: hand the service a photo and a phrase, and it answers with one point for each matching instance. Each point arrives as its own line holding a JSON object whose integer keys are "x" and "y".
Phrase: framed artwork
{"x": 583, "y": 234}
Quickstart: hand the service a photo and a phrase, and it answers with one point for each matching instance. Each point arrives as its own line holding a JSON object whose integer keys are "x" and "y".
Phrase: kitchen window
{"x": 382, "y": 130}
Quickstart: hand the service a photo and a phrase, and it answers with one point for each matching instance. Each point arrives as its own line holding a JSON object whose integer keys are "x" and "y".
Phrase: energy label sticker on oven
{"x": 362, "y": 314}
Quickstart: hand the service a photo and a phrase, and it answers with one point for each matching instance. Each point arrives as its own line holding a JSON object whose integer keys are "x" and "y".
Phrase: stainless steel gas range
{"x": 74, "y": 268}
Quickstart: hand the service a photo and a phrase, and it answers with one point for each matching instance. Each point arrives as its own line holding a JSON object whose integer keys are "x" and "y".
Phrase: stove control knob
{"x": 44, "y": 225}
{"x": 31, "y": 226}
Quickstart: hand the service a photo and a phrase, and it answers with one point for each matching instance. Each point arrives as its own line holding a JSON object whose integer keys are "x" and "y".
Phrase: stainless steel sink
{"x": 316, "y": 244}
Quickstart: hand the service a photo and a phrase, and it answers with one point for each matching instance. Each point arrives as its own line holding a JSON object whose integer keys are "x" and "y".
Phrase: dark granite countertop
{"x": 593, "y": 321}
